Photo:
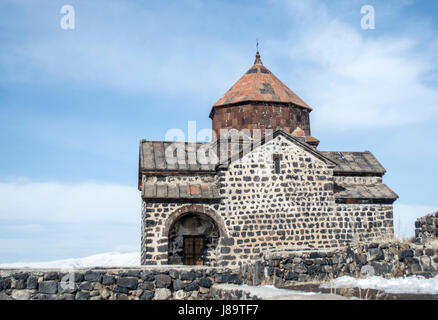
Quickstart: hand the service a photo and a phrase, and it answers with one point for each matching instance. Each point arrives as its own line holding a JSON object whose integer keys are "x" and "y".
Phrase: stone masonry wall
{"x": 364, "y": 222}
{"x": 149, "y": 283}
{"x": 266, "y": 210}
{"x": 426, "y": 228}
{"x": 261, "y": 116}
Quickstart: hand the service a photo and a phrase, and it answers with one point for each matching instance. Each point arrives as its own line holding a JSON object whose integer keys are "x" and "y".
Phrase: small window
{"x": 277, "y": 165}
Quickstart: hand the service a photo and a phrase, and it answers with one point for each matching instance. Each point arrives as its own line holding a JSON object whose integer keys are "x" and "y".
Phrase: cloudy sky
{"x": 75, "y": 103}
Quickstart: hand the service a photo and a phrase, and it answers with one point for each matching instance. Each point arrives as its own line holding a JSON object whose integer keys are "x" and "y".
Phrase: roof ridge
{"x": 167, "y": 141}
{"x": 255, "y": 144}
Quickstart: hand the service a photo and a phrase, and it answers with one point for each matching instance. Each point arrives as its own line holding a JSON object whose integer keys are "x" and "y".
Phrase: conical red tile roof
{"x": 258, "y": 84}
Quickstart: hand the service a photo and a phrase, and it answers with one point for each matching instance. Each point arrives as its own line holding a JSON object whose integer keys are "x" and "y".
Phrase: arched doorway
{"x": 193, "y": 240}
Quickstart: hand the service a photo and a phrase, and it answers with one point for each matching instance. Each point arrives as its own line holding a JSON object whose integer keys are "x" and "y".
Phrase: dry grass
{"x": 405, "y": 240}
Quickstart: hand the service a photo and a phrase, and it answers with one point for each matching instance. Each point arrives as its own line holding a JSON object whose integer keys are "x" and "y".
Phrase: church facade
{"x": 225, "y": 202}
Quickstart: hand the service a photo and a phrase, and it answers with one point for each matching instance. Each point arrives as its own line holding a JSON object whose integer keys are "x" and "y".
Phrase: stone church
{"x": 273, "y": 189}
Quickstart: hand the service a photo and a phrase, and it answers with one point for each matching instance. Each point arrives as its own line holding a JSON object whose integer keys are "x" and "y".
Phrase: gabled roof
{"x": 296, "y": 140}
{"x": 355, "y": 163}
{"x": 258, "y": 84}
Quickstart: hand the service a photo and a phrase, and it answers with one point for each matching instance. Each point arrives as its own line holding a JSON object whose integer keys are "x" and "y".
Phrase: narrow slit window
{"x": 277, "y": 165}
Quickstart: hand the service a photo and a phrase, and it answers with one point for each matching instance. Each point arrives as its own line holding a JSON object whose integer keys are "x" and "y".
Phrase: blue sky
{"x": 75, "y": 103}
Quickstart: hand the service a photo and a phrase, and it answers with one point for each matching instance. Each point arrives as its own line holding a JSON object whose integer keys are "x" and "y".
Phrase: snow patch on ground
{"x": 111, "y": 259}
{"x": 290, "y": 291}
{"x": 413, "y": 284}
{"x": 272, "y": 293}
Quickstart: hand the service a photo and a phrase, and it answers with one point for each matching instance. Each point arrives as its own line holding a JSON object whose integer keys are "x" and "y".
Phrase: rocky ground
{"x": 231, "y": 291}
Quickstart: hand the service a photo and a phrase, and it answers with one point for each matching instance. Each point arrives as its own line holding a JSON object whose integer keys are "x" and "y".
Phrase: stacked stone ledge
{"x": 426, "y": 228}
{"x": 115, "y": 284}
{"x": 278, "y": 268}
{"x": 391, "y": 259}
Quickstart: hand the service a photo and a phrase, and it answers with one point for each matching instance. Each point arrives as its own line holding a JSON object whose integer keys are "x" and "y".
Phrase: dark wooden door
{"x": 193, "y": 250}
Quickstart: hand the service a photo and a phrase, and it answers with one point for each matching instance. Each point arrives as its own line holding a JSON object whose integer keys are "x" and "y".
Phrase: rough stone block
{"x": 190, "y": 276}
{"x": 21, "y": 276}
{"x": 147, "y": 275}
{"x": 192, "y": 286}
{"x": 180, "y": 295}
{"x": 48, "y": 287}
{"x": 82, "y": 295}
{"x": 178, "y": 285}
{"x": 108, "y": 280}
{"x": 162, "y": 294}
{"x": 92, "y": 276}
{"x": 32, "y": 283}
{"x": 163, "y": 281}
{"x": 130, "y": 283}
{"x": 404, "y": 254}
{"x": 51, "y": 276}
{"x": 291, "y": 276}
{"x": 85, "y": 286}
{"x": 21, "y": 294}
{"x": 205, "y": 282}
{"x": 119, "y": 289}
{"x": 147, "y": 295}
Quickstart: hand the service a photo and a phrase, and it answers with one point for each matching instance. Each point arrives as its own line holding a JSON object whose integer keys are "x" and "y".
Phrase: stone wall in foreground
{"x": 280, "y": 268}
{"x": 387, "y": 259}
{"x": 198, "y": 283}
{"x": 426, "y": 228}
{"x": 142, "y": 283}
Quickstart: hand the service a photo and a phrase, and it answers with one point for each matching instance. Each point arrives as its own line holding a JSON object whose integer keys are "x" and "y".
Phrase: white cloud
{"x": 354, "y": 80}
{"x": 51, "y": 220}
{"x": 58, "y": 202}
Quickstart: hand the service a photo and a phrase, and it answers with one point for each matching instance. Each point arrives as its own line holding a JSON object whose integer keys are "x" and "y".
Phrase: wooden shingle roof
{"x": 180, "y": 191}
{"x": 358, "y": 191}
{"x": 153, "y": 157}
{"x": 258, "y": 84}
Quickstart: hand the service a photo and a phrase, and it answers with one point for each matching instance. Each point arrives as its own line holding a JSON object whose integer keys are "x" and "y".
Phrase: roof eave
{"x": 232, "y": 104}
